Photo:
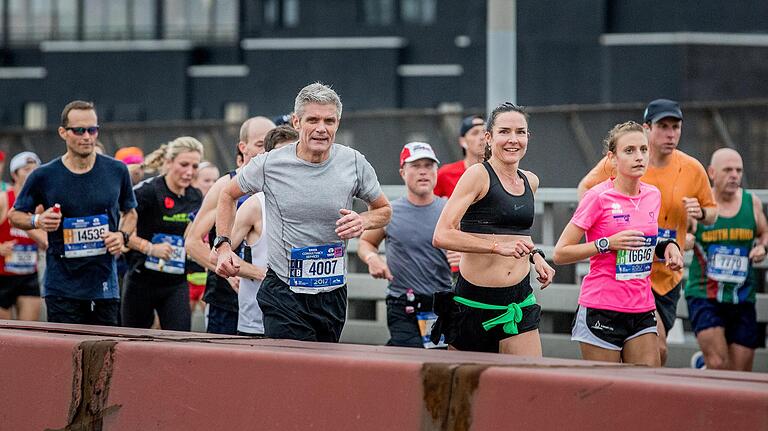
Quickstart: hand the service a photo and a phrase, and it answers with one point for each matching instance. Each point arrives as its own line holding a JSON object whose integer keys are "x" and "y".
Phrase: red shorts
{"x": 196, "y": 291}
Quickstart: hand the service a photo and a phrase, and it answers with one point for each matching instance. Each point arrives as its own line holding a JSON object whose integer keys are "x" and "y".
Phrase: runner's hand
{"x": 545, "y": 272}
{"x": 672, "y": 257}
{"x": 350, "y": 225}
{"x": 757, "y": 254}
{"x": 6, "y": 248}
{"x": 226, "y": 264}
{"x": 113, "y": 241}
{"x": 234, "y": 283}
{"x": 454, "y": 257}
{"x": 518, "y": 248}
{"x": 162, "y": 250}
{"x": 378, "y": 268}
{"x": 49, "y": 220}
{"x": 626, "y": 240}
{"x": 692, "y": 208}
{"x": 690, "y": 241}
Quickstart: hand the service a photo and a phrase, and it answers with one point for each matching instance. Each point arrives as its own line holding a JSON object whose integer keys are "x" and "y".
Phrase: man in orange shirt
{"x": 685, "y": 193}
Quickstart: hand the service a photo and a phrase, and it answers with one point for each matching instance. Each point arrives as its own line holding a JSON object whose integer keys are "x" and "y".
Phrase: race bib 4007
{"x": 317, "y": 269}
{"x": 83, "y": 235}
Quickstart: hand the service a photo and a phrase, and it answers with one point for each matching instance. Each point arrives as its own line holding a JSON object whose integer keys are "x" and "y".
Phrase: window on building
{"x": 235, "y": 112}
{"x": 35, "y": 115}
{"x": 143, "y": 16}
{"x": 105, "y": 19}
{"x": 377, "y": 12}
{"x": 418, "y": 11}
{"x": 225, "y": 20}
{"x": 201, "y": 19}
{"x": 282, "y": 13}
{"x": 64, "y": 18}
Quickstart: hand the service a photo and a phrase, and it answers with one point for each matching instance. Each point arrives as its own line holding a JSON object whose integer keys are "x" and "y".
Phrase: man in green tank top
{"x": 721, "y": 285}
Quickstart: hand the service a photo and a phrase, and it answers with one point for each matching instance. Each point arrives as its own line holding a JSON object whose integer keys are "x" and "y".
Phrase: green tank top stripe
{"x": 737, "y": 231}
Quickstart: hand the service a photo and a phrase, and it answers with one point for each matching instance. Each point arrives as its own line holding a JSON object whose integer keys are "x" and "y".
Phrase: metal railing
{"x": 561, "y": 297}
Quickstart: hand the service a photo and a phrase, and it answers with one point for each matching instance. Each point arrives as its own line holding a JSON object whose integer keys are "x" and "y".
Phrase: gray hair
{"x": 316, "y": 93}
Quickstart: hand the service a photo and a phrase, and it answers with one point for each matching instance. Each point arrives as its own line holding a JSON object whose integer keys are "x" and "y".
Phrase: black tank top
{"x": 500, "y": 212}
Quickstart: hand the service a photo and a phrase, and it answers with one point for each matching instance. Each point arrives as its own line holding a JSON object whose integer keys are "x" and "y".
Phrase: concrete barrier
{"x": 69, "y": 377}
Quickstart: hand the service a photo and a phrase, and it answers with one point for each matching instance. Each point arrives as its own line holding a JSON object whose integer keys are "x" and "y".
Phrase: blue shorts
{"x": 738, "y": 320}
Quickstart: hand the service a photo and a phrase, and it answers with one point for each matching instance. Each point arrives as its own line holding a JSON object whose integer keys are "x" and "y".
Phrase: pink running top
{"x": 619, "y": 280}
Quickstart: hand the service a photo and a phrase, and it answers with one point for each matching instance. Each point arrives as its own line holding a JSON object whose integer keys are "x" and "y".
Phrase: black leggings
{"x": 142, "y": 296}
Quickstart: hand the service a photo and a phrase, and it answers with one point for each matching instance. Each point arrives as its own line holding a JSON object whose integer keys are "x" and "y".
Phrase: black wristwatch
{"x": 221, "y": 240}
{"x": 126, "y": 237}
{"x": 534, "y": 252}
{"x": 703, "y": 214}
{"x": 602, "y": 245}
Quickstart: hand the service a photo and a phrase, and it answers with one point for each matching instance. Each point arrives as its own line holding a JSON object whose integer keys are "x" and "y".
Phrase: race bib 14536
{"x": 83, "y": 235}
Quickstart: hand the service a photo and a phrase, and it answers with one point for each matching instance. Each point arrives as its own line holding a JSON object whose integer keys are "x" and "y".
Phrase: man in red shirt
{"x": 472, "y": 141}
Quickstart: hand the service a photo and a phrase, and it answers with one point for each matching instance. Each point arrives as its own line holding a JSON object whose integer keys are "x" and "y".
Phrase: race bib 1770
{"x": 727, "y": 263}
{"x": 317, "y": 269}
{"x": 83, "y": 235}
{"x": 633, "y": 264}
{"x": 174, "y": 265}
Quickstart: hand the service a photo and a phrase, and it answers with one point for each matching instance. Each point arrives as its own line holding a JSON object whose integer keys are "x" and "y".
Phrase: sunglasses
{"x": 79, "y": 131}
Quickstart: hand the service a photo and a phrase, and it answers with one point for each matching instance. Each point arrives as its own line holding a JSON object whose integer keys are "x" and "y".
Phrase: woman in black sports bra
{"x": 488, "y": 218}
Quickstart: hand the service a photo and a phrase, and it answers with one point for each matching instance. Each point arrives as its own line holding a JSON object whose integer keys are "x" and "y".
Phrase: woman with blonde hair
{"x": 156, "y": 279}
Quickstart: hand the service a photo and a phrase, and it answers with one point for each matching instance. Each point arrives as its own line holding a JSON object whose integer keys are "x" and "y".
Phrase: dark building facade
{"x": 165, "y": 60}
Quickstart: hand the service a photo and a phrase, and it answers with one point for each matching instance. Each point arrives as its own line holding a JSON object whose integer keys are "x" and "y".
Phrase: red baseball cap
{"x": 2, "y": 156}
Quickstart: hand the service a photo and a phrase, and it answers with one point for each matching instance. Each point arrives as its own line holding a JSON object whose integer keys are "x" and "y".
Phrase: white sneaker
{"x": 697, "y": 361}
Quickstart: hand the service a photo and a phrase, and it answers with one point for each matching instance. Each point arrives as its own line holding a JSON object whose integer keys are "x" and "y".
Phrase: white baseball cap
{"x": 413, "y": 151}
{"x": 22, "y": 159}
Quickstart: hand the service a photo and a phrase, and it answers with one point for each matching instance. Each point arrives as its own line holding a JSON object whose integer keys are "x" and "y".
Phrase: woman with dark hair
{"x": 488, "y": 218}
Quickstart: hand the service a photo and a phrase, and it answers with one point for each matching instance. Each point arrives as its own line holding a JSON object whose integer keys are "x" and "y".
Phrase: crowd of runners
{"x": 144, "y": 240}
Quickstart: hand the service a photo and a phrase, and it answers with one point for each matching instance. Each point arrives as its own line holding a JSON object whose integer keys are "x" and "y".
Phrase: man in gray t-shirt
{"x": 414, "y": 267}
{"x": 308, "y": 188}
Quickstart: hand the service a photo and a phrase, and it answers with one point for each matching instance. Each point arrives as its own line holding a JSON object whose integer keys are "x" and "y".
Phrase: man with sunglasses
{"x": 89, "y": 212}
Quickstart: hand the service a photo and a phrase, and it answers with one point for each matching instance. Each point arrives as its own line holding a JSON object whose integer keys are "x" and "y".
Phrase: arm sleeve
{"x": 127, "y": 198}
{"x": 29, "y": 196}
{"x": 588, "y": 212}
{"x": 368, "y": 188}
{"x": 598, "y": 174}
{"x": 250, "y": 179}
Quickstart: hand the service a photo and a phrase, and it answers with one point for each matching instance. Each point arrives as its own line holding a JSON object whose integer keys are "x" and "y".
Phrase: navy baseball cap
{"x": 470, "y": 122}
{"x": 662, "y": 108}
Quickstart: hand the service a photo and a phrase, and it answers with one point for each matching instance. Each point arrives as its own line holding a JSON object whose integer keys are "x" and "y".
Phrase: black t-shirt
{"x": 218, "y": 291}
{"x": 161, "y": 212}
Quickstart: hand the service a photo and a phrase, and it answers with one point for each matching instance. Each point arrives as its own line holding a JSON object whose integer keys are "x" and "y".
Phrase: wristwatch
{"x": 602, "y": 245}
{"x": 221, "y": 240}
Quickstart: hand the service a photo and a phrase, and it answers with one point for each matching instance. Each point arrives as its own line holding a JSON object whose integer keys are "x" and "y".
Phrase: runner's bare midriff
{"x": 493, "y": 270}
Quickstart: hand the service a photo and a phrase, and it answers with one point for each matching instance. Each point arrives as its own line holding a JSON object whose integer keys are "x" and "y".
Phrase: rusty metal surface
{"x": 70, "y": 377}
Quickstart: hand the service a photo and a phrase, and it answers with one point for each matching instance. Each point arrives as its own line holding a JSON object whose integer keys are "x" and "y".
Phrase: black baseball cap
{"x": 470, "y": 122}
{"x": 662, "y": 108}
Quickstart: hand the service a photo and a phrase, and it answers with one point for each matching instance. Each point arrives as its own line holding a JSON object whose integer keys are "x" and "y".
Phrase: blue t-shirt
{"x": 87, "y": 200}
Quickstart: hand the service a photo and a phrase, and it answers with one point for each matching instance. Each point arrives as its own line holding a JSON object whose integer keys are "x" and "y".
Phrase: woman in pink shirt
{"x": 615, "y": 321}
